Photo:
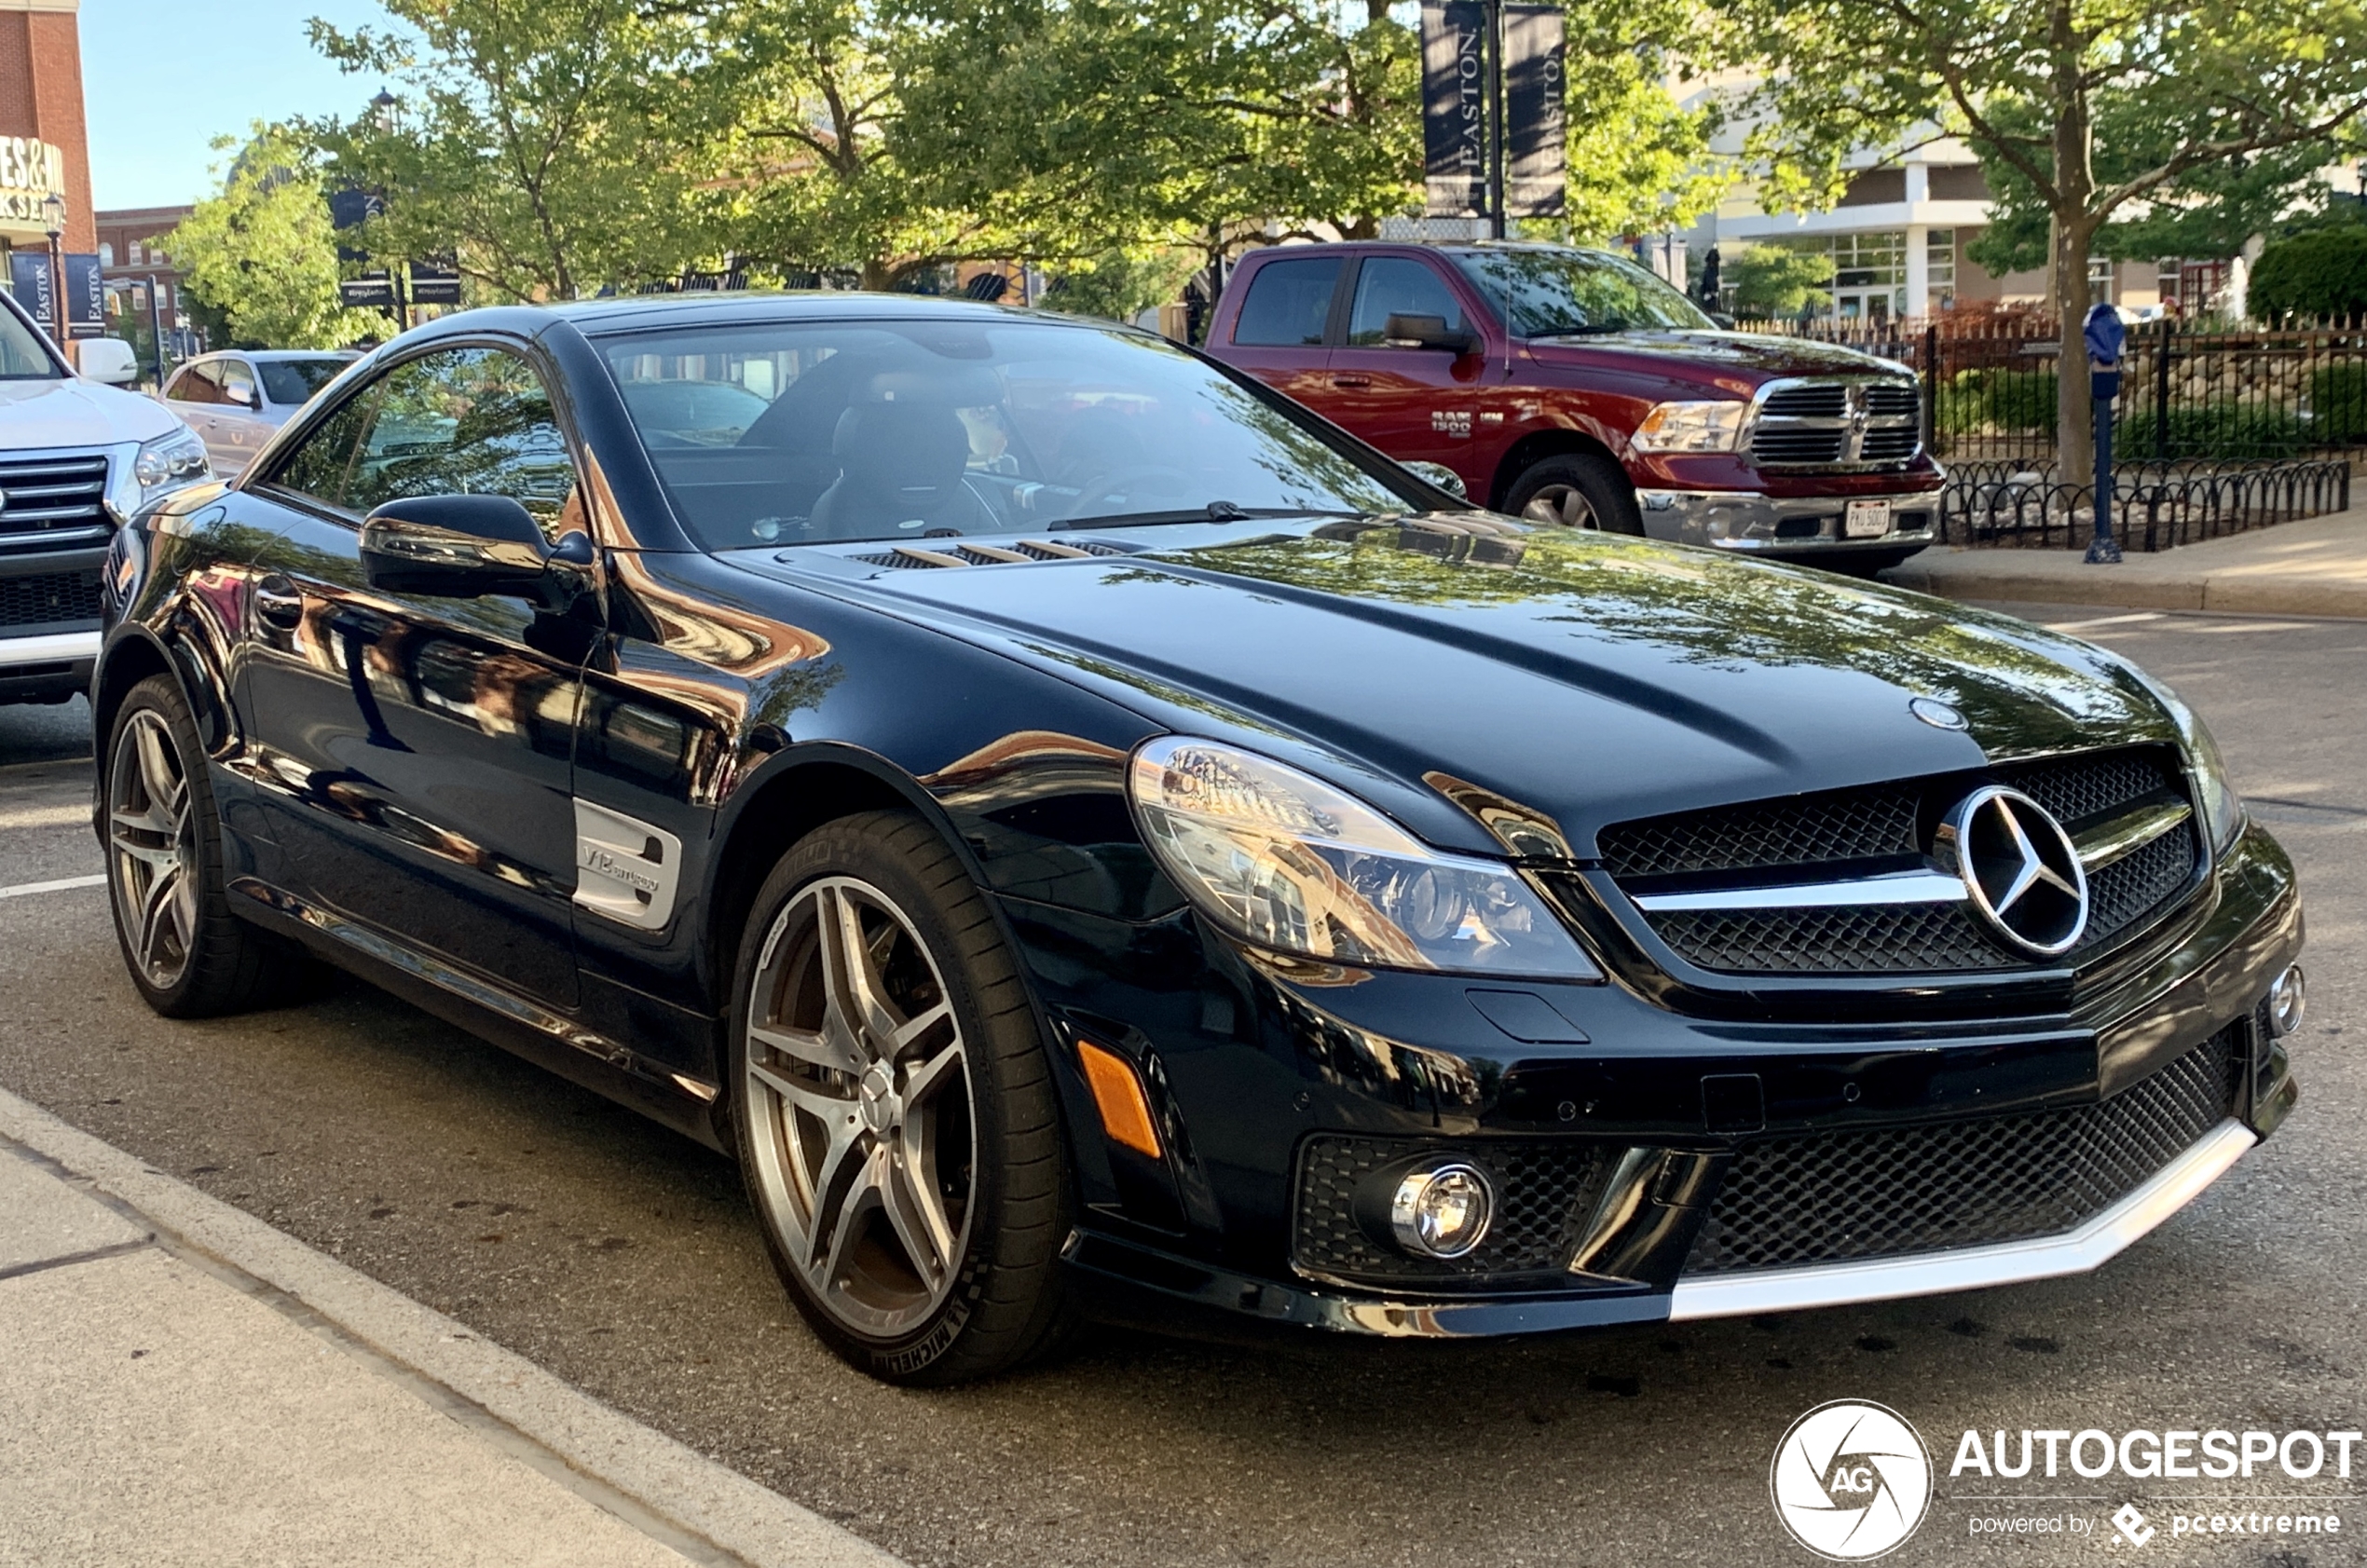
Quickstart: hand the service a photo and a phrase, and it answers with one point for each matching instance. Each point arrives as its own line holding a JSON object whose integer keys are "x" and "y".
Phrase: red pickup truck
{"x": 1571, "y": 386}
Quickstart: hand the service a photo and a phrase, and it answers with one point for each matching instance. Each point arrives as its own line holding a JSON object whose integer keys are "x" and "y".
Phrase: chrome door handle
{"x": 278, "y": 600}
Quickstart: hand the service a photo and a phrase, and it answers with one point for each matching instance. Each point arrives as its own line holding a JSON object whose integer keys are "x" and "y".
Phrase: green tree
{"x": 2031, "y": 84}
{"x": 2319, "y": 272}
{"x": 1639, "y": 162}
{"x": 1774, "y": 281}
{"x": 553, "y": 145}
{"x": 259, "y": 255}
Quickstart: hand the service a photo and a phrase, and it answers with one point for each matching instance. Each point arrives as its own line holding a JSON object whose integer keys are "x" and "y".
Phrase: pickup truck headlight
{"x": 168, "y": 463}
{"x": 1284, "y": 861}
{"x": 1692, "y": 427}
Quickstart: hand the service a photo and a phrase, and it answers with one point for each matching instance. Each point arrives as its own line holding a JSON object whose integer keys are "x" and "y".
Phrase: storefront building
{"x": 44, "y": 151}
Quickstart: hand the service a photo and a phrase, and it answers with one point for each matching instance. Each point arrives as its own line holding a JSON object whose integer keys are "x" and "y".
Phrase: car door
{"x": 195, "y": 394}
{"x": 421, "y": 748}
{"x": 238, "y": 424}
{"x": 1413, "y": 403}
{"x": 1281, "y": 333}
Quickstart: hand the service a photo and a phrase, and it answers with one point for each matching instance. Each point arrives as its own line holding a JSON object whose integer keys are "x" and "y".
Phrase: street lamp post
{"x": 53, "y": 210}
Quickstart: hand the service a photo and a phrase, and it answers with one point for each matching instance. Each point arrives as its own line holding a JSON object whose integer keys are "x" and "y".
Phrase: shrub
{"x": 2338, "y": 405}
{"x": 2222, "y": 431}
{"x": 1997, "y": 400}
{"x": 1775, "y": 282}
{"x": 2320, "y": 272}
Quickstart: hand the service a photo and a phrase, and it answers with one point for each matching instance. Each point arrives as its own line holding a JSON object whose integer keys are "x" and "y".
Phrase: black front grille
{"x": 52, "y": 503}
{"x": 1836, "y": 1197}
{"x": 1889, "y": 444}
{"x": 1545, "y": 1192}
{"x": 1825, "y": 401}
{"x": 1867, "y": 939}
{"x": 1813, "y": 838}
{"x": 1811, "y": 445}
{"x": 58, "y": 599}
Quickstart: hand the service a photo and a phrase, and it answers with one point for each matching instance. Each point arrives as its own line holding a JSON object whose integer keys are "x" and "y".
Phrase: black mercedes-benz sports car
{"x": 1091, "y": 838}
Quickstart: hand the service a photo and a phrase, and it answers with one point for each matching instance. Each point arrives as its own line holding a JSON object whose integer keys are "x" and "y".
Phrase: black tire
{"x": 1003, "y": 1300}
{"x": 1581, "y": 490}
{"x": 219, "y": 963}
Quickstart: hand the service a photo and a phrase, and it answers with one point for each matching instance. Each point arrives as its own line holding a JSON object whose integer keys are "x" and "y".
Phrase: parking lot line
{"x": 64, "y": 884}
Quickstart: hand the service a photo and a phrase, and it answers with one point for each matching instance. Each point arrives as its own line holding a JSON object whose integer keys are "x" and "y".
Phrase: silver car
{"x": 236, "y": 400}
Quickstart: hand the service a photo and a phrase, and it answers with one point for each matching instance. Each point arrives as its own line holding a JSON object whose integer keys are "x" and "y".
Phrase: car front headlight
{"x": 1692, "y": 427}
{"x": 168, "y": 463}
{"x": 1283, "y": 860}
{"x": 2223, "y": 809}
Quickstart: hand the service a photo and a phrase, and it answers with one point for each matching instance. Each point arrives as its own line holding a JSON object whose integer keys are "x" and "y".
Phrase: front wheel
{"x": 895, "y": 1110}
{"x": 1576, "y": 490}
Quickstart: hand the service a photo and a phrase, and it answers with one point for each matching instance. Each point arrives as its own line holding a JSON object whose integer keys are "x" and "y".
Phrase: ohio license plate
{"x": 1866, "y": 520}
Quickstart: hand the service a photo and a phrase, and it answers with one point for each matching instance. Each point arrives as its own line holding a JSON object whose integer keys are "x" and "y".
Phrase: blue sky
{"x": 161, "y": 78}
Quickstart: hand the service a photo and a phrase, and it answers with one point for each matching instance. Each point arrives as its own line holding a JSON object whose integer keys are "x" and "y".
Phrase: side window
{"x": 322, "y": 466}
{"x": 465, "y": 421}
{"x": 1397, "y": 286}
{"x": 1288, "y": 303}
{"x": 238, "y": 384}
{"x": 196, "y": 384}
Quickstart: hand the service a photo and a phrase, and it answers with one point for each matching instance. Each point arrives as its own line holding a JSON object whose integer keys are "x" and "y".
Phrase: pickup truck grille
{"x": 1844, "y": 423}
{"x": 52, "y": 502}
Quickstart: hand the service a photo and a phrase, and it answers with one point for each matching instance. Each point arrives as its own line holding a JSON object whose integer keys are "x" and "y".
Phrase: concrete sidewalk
{"x": 2314, "y": 567}
{"x": 181, "y": 1384}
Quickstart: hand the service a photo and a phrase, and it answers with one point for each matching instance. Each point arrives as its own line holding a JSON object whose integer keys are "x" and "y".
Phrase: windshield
{"x": 22, "y": 357}
{"x": 1562, "y": 293}
{"x": 804, "y": 433}
{"x": 297, "y": 380}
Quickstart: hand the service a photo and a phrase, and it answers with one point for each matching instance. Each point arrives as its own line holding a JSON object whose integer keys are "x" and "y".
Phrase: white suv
{"x": 76, "y": 459}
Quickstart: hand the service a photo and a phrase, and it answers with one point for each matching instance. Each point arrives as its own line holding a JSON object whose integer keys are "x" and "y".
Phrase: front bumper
{"x": 1221, "y": 1247}
{"x": 1809, "y": 526}
{"x": 46, "y": 656}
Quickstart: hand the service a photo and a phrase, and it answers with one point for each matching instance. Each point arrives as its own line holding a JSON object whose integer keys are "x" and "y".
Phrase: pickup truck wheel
{"x": 1577, "y": 491}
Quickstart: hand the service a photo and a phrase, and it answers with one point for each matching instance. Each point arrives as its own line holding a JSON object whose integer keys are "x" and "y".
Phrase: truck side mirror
{"x": 1428, "y": 331}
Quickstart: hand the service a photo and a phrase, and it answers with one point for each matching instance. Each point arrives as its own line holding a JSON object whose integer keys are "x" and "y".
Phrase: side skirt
{"x": 492, "y": 1012}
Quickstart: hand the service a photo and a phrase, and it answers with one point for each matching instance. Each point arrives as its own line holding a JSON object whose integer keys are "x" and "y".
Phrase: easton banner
{"x": 1455, "y": 107}
{"x": 1534, "y": 92}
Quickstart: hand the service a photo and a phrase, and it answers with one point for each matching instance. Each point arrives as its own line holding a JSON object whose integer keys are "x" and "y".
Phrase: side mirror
{"x": 109, "y": 359}
{"x": 252, "y": 401}
{"x": 1440, "y": 475}
{"x": 454, "y": 547}
{"x": 1428, "y": 331}
{"x": 1724, "y": 321}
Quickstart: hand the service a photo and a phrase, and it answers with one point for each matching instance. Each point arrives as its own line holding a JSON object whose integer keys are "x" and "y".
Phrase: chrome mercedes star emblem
{"x": 2020, "y": 869}
{"x": 1936, "y": 714}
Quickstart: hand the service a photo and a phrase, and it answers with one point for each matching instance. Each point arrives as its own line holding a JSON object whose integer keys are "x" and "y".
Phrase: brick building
{"x": 132, "y": 261}
{"x": 42, "y": 143}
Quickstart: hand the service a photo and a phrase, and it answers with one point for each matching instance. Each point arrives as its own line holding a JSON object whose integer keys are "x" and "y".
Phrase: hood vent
{"x": 911, "y": 556}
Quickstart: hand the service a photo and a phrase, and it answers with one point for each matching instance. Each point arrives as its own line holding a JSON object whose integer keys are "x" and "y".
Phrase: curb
{"x": 692, "y": 1502}
{"x": 2226, "y": 592}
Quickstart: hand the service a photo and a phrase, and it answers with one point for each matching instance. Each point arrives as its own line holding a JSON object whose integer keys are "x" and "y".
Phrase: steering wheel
{"x": 1117, "y": 486}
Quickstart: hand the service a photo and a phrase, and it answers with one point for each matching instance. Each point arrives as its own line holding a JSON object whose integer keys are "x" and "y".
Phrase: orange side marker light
{"x": 1126, "y": 1115}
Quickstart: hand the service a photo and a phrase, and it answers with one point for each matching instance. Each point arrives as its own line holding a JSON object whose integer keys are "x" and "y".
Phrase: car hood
{"x": 1586, "y": 677}
{"x": 1733, "y": 353}
{"x": 69, "y": 413}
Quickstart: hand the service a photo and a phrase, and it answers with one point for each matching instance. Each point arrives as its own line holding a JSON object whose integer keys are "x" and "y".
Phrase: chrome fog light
{"x": 2288, "y": 1003}
{"x": 1442, "y": 1212}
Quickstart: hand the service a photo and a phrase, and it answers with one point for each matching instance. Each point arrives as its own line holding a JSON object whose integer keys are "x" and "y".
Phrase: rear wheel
{"x": 189, "y": 955}
{"x": 1576, "y": 490}
{"x": 894, "y": 1110}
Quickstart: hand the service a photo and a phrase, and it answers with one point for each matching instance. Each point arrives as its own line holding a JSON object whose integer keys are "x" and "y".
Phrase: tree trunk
{"x": 2073, "y": 231}
{"x": 878, "y": 276}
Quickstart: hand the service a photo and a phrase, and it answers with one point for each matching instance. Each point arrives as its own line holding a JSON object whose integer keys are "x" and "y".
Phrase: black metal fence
{"x": 2156, "y": 504}
{"x": 2230, "y": 397}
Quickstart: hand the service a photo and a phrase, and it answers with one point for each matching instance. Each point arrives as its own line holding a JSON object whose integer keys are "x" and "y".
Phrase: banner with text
{"x": 1455, "y": 107}
{"x": 1534, "y": 89}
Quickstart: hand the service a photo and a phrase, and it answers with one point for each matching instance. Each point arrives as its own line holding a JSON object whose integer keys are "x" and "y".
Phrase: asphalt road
{"x": 624, "y": 1260}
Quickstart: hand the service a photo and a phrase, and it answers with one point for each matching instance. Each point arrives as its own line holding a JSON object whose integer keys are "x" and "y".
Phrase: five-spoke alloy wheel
{"x": 893, "y": 1107}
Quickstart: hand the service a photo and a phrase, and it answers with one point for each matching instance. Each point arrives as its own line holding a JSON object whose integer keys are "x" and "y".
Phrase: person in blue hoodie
{"x": 2106, "y": 337}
